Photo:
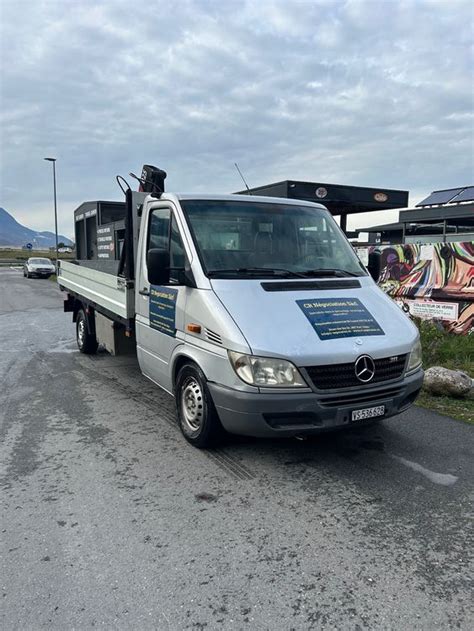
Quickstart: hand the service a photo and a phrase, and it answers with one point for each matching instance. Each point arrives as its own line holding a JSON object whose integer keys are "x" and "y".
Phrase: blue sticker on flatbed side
{"x": 163, "y": 309}
{"x": 339, "y": 317}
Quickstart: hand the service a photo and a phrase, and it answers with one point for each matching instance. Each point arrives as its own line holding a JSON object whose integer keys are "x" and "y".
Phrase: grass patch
{"x": 446, "y": 349}
{"x": 450, "y": 351}
{"x": 460, "y": 409}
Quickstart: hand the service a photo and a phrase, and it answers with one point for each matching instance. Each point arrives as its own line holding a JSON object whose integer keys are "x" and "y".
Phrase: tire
{"x": 197, "y": 415}
{"x": 28, "y": 275}
{"x": 24, "y": 274}
{"x": 86, "y": 342}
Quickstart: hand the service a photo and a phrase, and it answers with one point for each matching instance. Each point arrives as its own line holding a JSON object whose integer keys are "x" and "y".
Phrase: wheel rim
{"x": 81, "y": 332}
{"x": 192, "y": 404}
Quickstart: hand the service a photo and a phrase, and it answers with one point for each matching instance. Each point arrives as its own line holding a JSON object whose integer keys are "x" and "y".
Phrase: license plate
{"x": 359, "y": 415}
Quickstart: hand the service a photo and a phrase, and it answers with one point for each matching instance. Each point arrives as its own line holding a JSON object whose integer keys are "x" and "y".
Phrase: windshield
{"x": 41, "y": 261}
{"x": 264, "y": 239}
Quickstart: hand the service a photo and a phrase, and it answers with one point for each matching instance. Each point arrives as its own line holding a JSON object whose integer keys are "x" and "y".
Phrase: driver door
{"x": 160, "y": 309}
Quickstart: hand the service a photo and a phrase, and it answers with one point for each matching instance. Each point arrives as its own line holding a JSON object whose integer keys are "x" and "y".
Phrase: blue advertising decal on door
{"x": 339, "y": 317}
{"x": 163, "y": 309}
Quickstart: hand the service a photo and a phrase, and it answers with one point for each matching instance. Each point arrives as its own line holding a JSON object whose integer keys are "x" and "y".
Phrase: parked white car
{"x": 39, "y": 267}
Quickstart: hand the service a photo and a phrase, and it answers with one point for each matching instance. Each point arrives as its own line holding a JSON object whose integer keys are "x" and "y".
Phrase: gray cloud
{"x": 364, "y": 93}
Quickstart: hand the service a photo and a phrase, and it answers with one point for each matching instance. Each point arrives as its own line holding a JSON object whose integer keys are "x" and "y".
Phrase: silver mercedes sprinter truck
{"x": 254, "y": 312}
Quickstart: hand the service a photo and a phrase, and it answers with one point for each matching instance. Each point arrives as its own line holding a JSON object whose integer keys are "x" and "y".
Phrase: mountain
{"x": 13, "y": 233}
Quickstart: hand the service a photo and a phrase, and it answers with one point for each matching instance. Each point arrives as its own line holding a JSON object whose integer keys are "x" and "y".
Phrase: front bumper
{"x": 309, "y": 413}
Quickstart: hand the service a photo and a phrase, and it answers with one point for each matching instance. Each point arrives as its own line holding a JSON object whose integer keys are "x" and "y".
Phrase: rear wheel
{"x": 197, "y": 414}
{"x": 86, "y": 341}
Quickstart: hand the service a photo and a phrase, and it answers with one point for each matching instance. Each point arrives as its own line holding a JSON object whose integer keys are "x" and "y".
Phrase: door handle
{"x": 144, "y": 292}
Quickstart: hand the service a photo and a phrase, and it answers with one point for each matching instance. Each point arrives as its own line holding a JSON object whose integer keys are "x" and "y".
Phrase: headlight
{"x": 415, "y": 357}
{"x": 266, "y": 372}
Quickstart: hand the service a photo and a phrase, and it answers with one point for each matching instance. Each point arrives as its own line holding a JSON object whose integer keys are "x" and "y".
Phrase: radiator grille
{"x": 331, "y": 376}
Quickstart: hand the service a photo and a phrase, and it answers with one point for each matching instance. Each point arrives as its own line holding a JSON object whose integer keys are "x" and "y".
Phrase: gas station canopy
{"x": 338, "y": 199}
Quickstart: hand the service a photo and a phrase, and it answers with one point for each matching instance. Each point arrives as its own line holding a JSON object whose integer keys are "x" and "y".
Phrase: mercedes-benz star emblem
{"x": 364, "y": 368}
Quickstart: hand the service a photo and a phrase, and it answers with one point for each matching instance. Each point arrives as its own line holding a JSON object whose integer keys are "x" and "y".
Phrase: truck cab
{"x": 254, "y": 312}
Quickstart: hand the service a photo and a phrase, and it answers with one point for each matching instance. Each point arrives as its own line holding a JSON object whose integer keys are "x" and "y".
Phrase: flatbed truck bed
{"x": 112, "y": 294}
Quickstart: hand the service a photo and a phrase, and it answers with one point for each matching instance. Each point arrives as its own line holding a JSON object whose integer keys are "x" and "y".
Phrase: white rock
{"x": 439, "y": 380}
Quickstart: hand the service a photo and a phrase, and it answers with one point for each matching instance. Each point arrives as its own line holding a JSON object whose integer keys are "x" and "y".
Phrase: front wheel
{"x": 86, "y": 342}
{"x": 197, "y": 414}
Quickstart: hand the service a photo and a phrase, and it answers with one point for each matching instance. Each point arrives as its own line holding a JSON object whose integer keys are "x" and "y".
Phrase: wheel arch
{"x": 214, "y": 365}
{"x": 180, "y": 359}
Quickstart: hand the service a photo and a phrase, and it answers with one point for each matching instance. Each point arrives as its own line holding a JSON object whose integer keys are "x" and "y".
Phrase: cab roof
{"x": 258, "y": 199}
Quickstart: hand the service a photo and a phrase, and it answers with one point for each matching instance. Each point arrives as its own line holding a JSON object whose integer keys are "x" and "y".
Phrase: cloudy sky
{"x": 369, "y": 93}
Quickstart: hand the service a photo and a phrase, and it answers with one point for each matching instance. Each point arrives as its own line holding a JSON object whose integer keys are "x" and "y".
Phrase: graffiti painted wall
{"x": 432, "y": 281}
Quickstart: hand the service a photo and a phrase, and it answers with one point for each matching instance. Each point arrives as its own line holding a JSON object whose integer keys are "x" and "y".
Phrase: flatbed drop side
{"x": 254, "y": 312}
{"x": 102, "y": 290}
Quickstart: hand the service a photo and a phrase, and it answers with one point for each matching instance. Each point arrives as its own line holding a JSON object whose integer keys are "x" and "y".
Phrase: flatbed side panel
{"x": 106, "y": 290}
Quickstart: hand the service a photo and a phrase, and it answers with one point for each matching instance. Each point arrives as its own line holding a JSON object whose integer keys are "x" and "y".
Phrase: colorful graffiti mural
{"x": 432, "y": 281}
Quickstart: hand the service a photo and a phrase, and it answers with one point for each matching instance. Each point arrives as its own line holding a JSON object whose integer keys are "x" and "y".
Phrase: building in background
{"x": 444, "y": 216}
{"x": 426, "y": 260}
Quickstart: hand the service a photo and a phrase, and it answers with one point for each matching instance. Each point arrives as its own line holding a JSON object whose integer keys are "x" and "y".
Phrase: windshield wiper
{"x": 323, "y": 271}
{"x": 256, "y": 271}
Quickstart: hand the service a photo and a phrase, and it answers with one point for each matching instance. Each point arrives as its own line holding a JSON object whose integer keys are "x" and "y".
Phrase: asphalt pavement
{"x": 110, "y": 519}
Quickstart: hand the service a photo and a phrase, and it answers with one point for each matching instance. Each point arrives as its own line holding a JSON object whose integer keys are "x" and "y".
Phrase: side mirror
{"x": 158, "y": 263}
{"x": 373, "y": 266}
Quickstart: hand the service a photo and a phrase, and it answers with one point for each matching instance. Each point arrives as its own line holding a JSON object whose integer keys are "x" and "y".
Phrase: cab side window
{"x": 176, "y": 246}
{"x": 158, "y": 235}
{"x": 164, "y": 234}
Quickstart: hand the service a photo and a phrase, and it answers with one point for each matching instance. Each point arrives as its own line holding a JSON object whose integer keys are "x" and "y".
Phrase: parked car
{"x": 42, "y": 268}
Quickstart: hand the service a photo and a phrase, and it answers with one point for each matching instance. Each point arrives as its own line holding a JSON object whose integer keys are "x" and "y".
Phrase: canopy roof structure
{"x": 339, "y": 199}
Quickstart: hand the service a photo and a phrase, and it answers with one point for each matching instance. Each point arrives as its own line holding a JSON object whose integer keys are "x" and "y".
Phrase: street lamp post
{"x": 53, "y": 160}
